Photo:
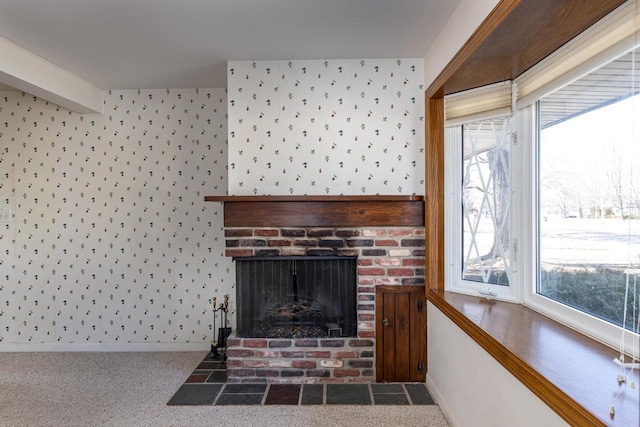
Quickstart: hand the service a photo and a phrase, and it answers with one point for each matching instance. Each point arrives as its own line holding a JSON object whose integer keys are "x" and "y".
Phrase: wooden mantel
{"x": 321, "y": 211}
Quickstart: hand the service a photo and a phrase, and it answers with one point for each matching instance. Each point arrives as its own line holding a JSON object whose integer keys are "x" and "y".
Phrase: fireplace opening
{"x": 296, "y": 297}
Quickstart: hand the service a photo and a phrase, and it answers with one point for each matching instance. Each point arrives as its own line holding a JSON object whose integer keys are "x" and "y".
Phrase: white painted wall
{"x": 111, "y": 245}
{"x": 463, "y": 22}
{"x": 353, "y": 126}
{"x": 471, "y": 387}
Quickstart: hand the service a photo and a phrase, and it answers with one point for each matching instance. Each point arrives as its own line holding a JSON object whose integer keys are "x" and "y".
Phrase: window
{"x": 485, "y": 201}
{"x": 543, "y": 207}
{"x": 588, "y": 187}
{"x": 480, "y": 186}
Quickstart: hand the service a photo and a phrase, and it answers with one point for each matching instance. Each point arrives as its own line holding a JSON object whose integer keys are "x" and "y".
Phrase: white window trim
{"x": 453, "y": 231}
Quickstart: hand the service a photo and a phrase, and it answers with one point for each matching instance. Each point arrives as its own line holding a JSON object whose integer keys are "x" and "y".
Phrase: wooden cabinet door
{"x": 401, "y": 334}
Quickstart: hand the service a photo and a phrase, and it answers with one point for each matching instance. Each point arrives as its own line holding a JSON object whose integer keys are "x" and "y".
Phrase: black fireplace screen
{"x": 296, "y": 297}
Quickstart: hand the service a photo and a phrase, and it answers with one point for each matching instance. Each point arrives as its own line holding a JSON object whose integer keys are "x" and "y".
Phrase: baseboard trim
{"x": 437, "y": 396}
{"x": 102, "y": 347}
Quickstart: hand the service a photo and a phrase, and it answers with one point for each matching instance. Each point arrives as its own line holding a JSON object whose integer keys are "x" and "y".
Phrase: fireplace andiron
{"x": 224, "y": 331}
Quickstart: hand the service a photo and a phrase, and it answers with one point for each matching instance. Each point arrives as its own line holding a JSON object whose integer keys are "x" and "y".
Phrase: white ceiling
{"x": 144, "y": 44}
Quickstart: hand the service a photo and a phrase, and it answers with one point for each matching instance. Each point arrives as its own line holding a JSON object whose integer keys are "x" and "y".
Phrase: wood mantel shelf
{"x": 322, "y": 211}
{"x": 355, "y": 198}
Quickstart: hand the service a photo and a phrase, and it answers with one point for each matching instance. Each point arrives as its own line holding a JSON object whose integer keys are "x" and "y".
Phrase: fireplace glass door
{"x": 296, "y": 297}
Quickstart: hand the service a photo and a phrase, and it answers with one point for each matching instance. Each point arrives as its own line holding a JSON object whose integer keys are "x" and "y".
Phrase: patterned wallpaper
{"x": 110, "y": 240}
{"x": 326, "y": 127}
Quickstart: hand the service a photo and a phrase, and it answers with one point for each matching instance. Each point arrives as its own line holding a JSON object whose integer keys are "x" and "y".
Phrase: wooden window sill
{"x": 570, "y": 372}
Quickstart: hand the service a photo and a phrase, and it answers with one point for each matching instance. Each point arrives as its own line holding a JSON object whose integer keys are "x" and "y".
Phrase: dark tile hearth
{"x": 418, "y": 395}
{"x": 390, "y": 399}
{"x": 283, "y": 394}
{"x": 239, "y": 399}
{"x": 312, "y": 394}
{"x": 196, "y": 394}
{"x": 348, "y": 394}
{"x": 217, "y": 377}
{"x": 207, "y": 386}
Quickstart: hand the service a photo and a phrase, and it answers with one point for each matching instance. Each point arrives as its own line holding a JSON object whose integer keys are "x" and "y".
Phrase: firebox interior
{"x": 296, "y": 297}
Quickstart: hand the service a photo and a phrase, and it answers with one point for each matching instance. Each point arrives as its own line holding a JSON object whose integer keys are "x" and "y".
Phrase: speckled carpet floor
{"x": 132, "y": 389}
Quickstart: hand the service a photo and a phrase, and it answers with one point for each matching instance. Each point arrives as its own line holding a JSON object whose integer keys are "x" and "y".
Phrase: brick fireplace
{"x": 386, "y": 256}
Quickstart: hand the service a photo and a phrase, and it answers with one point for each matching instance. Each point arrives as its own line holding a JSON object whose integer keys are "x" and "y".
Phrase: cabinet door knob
{"x": 386, "y": 322}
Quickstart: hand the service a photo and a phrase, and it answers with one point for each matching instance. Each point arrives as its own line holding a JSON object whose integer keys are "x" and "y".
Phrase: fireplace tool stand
{"x": 224, "y": 331}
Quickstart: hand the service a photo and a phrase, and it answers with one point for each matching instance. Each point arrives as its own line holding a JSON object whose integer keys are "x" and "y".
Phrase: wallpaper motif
{"x": 110, "y": 239}
{"x": 326, "y": 127}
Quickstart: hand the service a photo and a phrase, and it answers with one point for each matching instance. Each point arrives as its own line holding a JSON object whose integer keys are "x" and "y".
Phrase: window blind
{"x": 476, "y": 104}
{"x": 614, "y": 35}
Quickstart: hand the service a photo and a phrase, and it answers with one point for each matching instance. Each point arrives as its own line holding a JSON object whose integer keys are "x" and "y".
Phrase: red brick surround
{"x": 386, "y": 256}
{"x": 325, "y": 360}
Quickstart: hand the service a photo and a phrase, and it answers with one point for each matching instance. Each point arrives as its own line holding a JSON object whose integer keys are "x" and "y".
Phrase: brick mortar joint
{"x": 317, "y": 233}
{"x": 304, "y": 349}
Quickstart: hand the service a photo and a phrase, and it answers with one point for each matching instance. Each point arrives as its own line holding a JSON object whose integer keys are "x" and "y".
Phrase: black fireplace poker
{"x": 224, "y": 331}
